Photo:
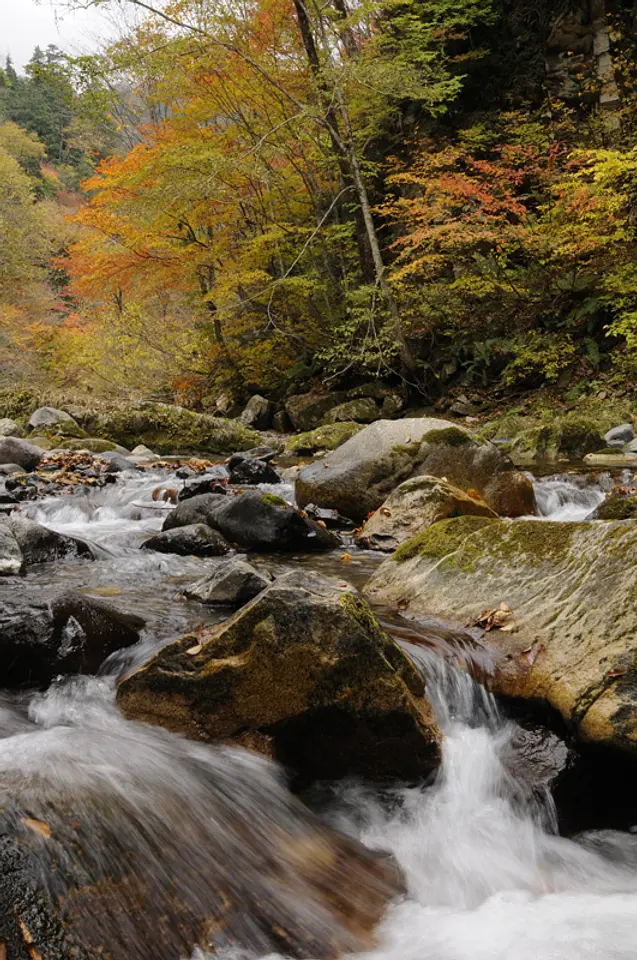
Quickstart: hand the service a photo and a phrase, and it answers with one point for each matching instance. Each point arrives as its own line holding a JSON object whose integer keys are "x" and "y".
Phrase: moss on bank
{"x": 441, "y": 538}
{"x": 449, "y": 436}
{"x": 327, "y": 437}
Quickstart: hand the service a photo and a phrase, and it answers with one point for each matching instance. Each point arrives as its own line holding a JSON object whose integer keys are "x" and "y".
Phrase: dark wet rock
{"x": 618, "y": 436}
{"x": 308, "y": 410}
{"x": 119, "y": 464}
{"x": 186, "y": 473}
{"x": 187, "y": 847}
{"x": 256, "y": 453}
{"x": 281, "y": 422}
{"x": 252, "y": 472}
{"x": 11, "y": 559}
{"x": 74, "y": 634}
{"x": 232, "y": 583}
{"x": 255, "y": 521}
{"x": 14, "y": 450}
{"x": 538, "y": 758}
{"x": 257, "y": 413}
{"x": 306, "y": 664}
{"x": 195, "y": 486}
{"x": 199, "y": 509}
{"x": 28, "y": 486}
{"x": 414, "y": 505}
{"x": 616, "y": 506}
{"x": 331, "y": 518}
{"x": 359, "y": 475}
{"x": 41, "y": 545}
{"x": 193, "y": 540}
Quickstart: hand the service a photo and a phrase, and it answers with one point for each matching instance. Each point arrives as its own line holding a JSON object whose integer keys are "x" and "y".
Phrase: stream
{"x": 488, "y": 877}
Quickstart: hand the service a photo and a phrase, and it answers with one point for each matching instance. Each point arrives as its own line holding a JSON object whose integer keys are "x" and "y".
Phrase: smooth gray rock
{"x": 15, "y": 450}
{"x": 618, "y": 436}
{"x": 9, "y": 428}
{"x": 41, "y": 545}
{"x": 231, "y": 584}
{"x": 49, "y": 417}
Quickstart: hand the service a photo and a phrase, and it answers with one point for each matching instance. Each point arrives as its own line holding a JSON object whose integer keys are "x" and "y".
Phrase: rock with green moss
{"x": 616, "y": 506}
{"x": 170, "y": 429}
{"x": 327, "y": 437}
{"x": 51, "y": 421}
{"x": 555, "y": 437}
{"x": 572, "y": 590}
{"x": 479, "y": 467}
{"x": 363, "y": 410}
{"x": 358, "y": 477}
{"x": 307, "y": 664}
{"x": 414, "y": 505}
{"x": 92, "y": 444}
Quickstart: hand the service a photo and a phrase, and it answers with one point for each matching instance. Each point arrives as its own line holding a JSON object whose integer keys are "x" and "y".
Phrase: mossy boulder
{"x": 363, "y": 410}
{"x": 92, "y": 444}
{"x": 616, "y": 506}
{"x": 359, "y": 475}
{"x": 307, "y": 665}
{"x": 50, "y": 420}
{"x": 170, "y": 429}
{"x": 568, "y": 437}
{"x": 414, "y": 505}
{"x": 572, "y": 589}
{"x": 327, "y": 437}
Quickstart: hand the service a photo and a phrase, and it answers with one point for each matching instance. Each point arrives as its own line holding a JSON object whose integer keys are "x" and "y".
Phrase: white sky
{"x": 25, "y": 25}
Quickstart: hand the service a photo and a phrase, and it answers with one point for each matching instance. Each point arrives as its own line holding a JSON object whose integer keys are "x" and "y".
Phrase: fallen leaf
{"x": 325, "y": 464}
{"x": 38, "y": 826}
{"x": 616, "y": 672}
{"x": 345, "y": 557}
{"x": 386, "y": 512}
{"x": 193, "y": 651}
{"x": 322, "y": 523}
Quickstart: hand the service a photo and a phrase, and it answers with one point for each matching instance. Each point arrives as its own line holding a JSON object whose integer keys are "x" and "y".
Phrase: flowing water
{"x": 487, "y": 876}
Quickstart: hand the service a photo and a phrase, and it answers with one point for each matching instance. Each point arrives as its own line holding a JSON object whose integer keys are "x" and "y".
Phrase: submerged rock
{"x": 416, "y": 504}
{"x": 569, "y": 640}
{"x": 132, "y": 844}
{"x": 231, "y": 584}
{"x": 254, "y": 520}
{"x": 14, "y": 450}
{"x": 357, "y": 477}
{"x": 41, "y": 545}
{"x": 193, "y": 540}
{"x": 308, "y": 666}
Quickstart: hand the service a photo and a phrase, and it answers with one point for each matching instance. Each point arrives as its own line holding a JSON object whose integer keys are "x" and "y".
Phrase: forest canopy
{"x": 244, "y": 195}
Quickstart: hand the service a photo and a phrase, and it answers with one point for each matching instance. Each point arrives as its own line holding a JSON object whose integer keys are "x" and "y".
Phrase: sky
{"x": 25, "y": 25}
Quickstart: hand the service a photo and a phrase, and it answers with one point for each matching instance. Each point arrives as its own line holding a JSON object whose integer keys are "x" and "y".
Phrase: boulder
{"x": 14, "y": 450}
{"x": 11, "y": 559}
{"x": 616, "y": 506}
{"x": 41, "y": 545}
{"x": 254, "y": 520}
{"x": 49, "y": 419}
{"x": 92, "y": 444}
{"x": 253, "y": 471}
{"x": 569, "y": 641}
{"x": 281, "y": 422}
{"x": 231, "y": 584}
{"x": 478, "y": 467}
{"x": 618, "y": 436}
{"x": 416, "y": 504}
{"x": 119, "y": 464}
{"x": 9, "y": 428}
{"x": 135, "y": 844}
{"x": 193, "y": 540}
{"x": 257, "y": 413}
{"x": 169, "y": 429}
{"x": 308, "y": 410}
{"x": 358, "y": 476}
{"x": 307, "y": 665}
{"x": 564, "y": 438}
{"x": 143, "y": 452}
{"x": 196, "y": 486}
{"x": 8, "y": 469}
{"x": 255, "y": 453}
{"x": 74, "y": 634}
{"x": 363, "y": 410}
{"x": 323, "y": 438}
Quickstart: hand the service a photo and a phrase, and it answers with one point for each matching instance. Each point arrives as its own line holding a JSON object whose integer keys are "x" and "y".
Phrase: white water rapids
{"x": 488, "y": 878}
